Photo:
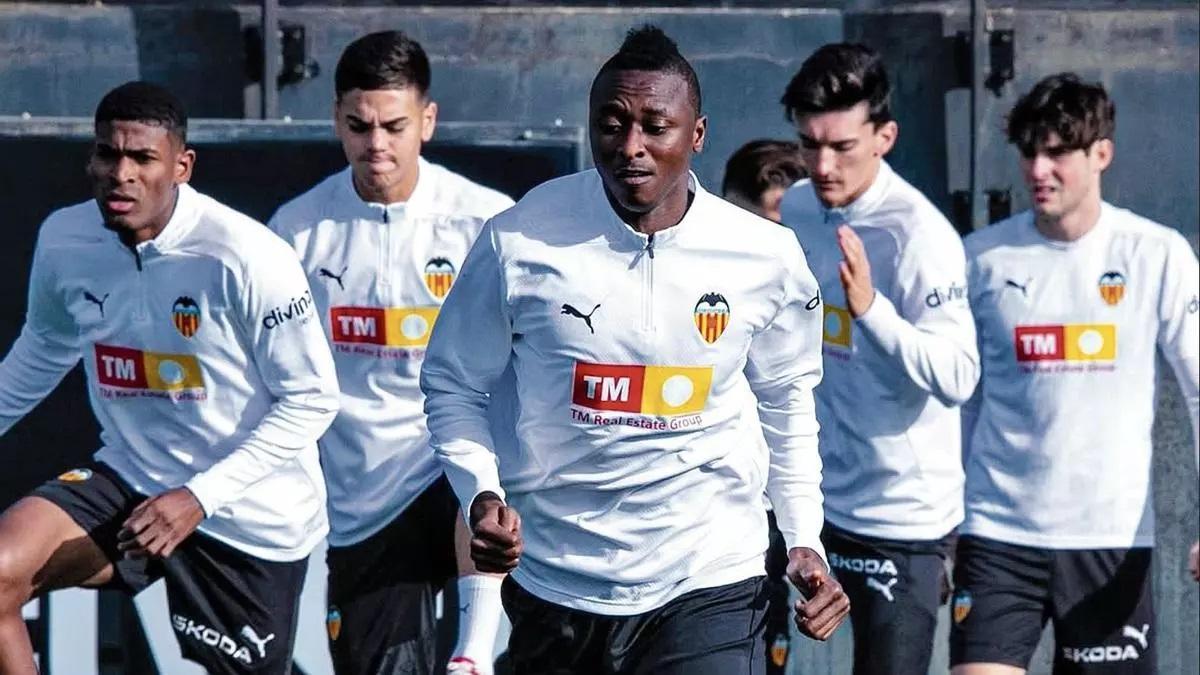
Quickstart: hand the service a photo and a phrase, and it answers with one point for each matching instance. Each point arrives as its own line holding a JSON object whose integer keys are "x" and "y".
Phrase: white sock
{"x": 479, "y": 609}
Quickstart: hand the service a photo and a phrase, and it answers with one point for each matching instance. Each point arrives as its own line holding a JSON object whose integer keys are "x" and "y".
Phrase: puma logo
{"x": 1141, "y": 636}
{"x": 322, "y": 272}
{"x": 587, "y": 318}
{"x": 99, "y": 302}
{"x": 260, "y": 643}
{"x": 885, "y": 589}
{"x": 1024, "y": 288}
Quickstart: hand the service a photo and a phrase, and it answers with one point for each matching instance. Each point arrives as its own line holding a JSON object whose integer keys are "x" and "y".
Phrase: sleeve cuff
{"x": 466, "y": 506}
{"x": 812, "y": 543}
{"x": 879, "y": 321}
{"x": 200, "y": 489}
{"x": 468, "y": 486}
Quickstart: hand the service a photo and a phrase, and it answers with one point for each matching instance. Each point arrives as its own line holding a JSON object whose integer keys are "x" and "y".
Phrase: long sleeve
{"x": 931, "y": 336}
{"x": 294, "y": 361}
{"x": 470, "y": 347}
{"x": 973, "y": 404}
{"x": 46, "y": 349}
{"x": 1178, "y": 333}
{"x": 783, "y": 368}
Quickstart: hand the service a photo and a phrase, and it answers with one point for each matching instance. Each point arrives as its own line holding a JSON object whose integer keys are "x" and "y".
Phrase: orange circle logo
{"x": 75, "y": 475}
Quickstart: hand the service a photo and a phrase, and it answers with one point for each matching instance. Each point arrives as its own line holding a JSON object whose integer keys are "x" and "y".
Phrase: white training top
{"x": 1060, "y": 455}
{"x": 379, "y": 274}
{"x": 204, "y": 366}
{"x": 894, "y": 378}
{"x": 640, "y": 466}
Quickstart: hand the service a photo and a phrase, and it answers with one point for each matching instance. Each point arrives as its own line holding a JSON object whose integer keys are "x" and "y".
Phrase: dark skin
{"x": 823, "y": 605}
{"x": 644, "y": 131}
{"x": 496, "y": 544}
{"x": 135, "y": 169}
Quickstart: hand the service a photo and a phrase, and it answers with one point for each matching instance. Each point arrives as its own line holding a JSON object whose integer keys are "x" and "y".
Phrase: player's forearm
{"x": 790, "y": 427}
{"x": 291, "y": 425}
{"x": 471, "y": 469}
{"x": 944, "y": 364}
{"x": 1189, "y": 385}
{"x": 31, "y": 370}
{"x": 461, "y": 437}
{"x": 794, "y": 488}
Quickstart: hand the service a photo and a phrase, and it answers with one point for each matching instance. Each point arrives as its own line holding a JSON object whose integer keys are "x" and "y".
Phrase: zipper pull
{"x": 650, "y": 245}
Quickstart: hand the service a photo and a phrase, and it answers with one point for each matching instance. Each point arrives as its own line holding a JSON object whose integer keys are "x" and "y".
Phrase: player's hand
{"x": 855, "y": 272}
{"x": 160, "y": 524}
{"x": 1194, "y": 561}
{"x": 824, "y": 605}
{"x": 495, "y": 535}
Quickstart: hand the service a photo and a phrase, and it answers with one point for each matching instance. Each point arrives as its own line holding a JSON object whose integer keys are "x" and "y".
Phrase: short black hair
{"x": 146, "y": 102}
{"x": 1079, "y": 113}
{"x": 761, "y": 165}
{"x": 385, "y": 60}
{"x": 837, "y": 77}
{"x": 648, "y": 48}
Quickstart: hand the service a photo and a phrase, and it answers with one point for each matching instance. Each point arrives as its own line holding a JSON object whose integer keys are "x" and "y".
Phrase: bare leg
{"x": 41, "y": 549}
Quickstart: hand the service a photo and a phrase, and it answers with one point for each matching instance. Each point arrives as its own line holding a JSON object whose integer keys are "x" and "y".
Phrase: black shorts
{"x": 232, "y": 612}
{"x": 1099, "y": 600}
{"x": 779, "y": 605}
{"x": 895, "y": 589}
{"x": 381, "y": 616}
{"x": 711, "y": 631}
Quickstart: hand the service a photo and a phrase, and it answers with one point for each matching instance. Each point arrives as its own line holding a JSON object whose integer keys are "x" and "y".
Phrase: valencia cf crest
{"x": 779, "y": 650}
{"x": 1112, "y": 287}
{"x": 439, "y": 274}
{"x": 185, "y": 314}
{"x": 960, "y": 606}
{"x": 712, "y": 316}
{"x": 75, "y": 475}
{"x": 333, "y": 623}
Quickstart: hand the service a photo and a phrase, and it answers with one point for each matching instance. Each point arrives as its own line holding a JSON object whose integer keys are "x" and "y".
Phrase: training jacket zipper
{"x": 140, "y": 312}
{"x": 648, "y": 287}
{"x": 385, "y": 256}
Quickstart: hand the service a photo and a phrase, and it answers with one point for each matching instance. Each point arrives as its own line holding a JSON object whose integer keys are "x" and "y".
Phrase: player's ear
{"x": 185, "y": 160}
{"x": 1102, "y": 153}
{"x": 885, "y": 137}
{"x": 429, "y": 120}
{"x": 699, "y": 134}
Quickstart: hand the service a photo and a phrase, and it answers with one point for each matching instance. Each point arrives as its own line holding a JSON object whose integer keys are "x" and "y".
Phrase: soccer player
{"x": 212, "y": 382}
{"x": 382, "y": 242}
{"x": 759, "y": 172}
{"x": 900, "y": 357}
{"x": 1072, "y": 299}
{"x": 638, "y": 330}
{"x": 756, "y": 176}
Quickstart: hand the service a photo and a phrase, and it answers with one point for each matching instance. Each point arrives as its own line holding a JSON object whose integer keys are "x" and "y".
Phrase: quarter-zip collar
{"x": 183, "y": 219}
{"x": 625, "y": 234}
{"x": 866, "y": 203}
{"x": 1103, "y": 224}
{"x": 421, "y": 201}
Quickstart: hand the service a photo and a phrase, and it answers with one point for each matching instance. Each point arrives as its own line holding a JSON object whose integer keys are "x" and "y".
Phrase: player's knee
{"x": 15, "y": 580}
